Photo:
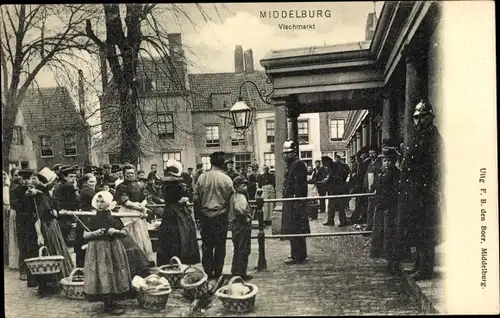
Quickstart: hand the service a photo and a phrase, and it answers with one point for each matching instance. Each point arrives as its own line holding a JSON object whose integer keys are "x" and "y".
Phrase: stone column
{"x": 412, "y": 92}
{"x": 364, "y": 131}
{"x": 358, "y": 140}
{"x": 280, "y": 136}
{"x": 388, "y": 117}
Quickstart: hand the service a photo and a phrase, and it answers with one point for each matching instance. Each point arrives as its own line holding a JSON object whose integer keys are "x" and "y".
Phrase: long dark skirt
{"x": 106, "y": 271}
{"x": 57, "y": 246}
{"x": 137, "y": 259}
{"x": 177, "y": 237}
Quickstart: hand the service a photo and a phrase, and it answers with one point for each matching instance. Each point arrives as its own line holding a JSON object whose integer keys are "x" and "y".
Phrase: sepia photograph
{"x": 249, "y": 159}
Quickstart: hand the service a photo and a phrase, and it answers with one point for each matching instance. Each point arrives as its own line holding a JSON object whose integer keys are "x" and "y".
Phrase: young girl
{"x": 107, "y": 275}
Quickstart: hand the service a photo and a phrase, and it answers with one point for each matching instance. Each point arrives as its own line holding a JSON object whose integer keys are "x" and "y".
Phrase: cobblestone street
{"x": 339, "y": 279}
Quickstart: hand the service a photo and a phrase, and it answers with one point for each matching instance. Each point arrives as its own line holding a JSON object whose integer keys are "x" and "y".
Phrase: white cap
{"x": 107, "y": 197}
{"x": 48, "y": 174}
{"x": 288, "y": 146}
{"x": 172, "y": 163}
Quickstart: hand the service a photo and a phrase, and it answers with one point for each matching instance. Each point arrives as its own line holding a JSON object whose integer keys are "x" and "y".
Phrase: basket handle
{"x": 235, "y": 278}
{"x": 73, "y": 272}
{"x": 176, "y": 259}
{"x": 40, "y": 251}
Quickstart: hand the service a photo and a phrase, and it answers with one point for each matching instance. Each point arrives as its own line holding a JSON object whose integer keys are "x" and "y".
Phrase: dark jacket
{"x": 294, "y": 217}
{"x": 321, "y": 174}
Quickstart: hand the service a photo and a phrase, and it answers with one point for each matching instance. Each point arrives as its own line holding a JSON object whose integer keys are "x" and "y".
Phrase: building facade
{"x": 22, "y": 150}
{"x": 58, "y": 132}
{"x": 332, "y": 129}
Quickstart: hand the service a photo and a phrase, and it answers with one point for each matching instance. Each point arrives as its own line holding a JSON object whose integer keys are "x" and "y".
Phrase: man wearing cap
{"x": 343, "y": 171}
{"x": 212, "y": 193}
{"x": 419, "y": 205}
{"x": 66, "y": 198}
{"x": 359, "y": 213}
{"x": 320, "y": 173}
{"x": 374, "y": 165}
{"x": 295, "y": 219}
{"x": 230, "y": 170}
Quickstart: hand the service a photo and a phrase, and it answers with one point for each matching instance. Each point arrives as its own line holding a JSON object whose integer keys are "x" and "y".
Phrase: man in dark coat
{"x": 66, "y": 197}
{"x": 359, "y": 214}
{"x": 343, "y": 171}
{"x": 320, "y": 173}
{"x": 295, "y": 219}
{"x": 374, "y": 165}
{"x": 419, "y": 198}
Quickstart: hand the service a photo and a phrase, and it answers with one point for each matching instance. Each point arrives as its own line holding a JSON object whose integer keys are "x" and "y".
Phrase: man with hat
{"x": 359, "y": 213}
{"x": 295, "y": 219}
{"x": 22, "y": 216}
{"x": 385, "y": 214}
{"x": 212, "y": 193}
{"x": 374, "y": 165}
{"x": 56, "y": 167}
{"x": 230, "y": 170}
{"x": 66, "y": 198}
{"x": 419, "y": 205}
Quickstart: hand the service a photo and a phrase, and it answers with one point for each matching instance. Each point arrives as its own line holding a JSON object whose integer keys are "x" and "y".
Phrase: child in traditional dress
{"x": 240, "y": 218}
{"x": 107, "y": 275}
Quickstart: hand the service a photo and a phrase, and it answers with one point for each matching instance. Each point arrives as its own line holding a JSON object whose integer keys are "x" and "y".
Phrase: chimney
{"x": 81, "y": 94}
{"x": 249, "y": 61}
{"x": 175, "y": 46}
{"x": 238, "y": 59}
{"x": 104, "y": 71}
{"x": 371, "y": 24}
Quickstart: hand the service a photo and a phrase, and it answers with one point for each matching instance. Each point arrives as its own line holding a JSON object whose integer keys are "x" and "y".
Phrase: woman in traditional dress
{"x": 132, "y": 199}
{"x": 87, "y": 192}
{"x": 177, "y": 230}
{"x": 13, "y": 244}
{"x": 51, "y": 229}
{"x": 106, "y": 271}
{"x": 267, "y": 183}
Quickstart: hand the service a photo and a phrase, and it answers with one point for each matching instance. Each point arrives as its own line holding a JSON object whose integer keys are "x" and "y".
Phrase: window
{"x": 269, "y": 159}
{"x": 17, "y": 136}
{"x": 46, "y": 146}
{"x": 114, "y": 158}
{"x": 205, "y": 160}
{"x": 70, "y": 145}
{"x": 270, "y": 131}
{"x": 165, "y": 123}
{"x": 176, "y": 155}
{"x": 306, "y": 156}
{"x": 237, "y": 137}
{"x": 138, "y": 163}
{"x": 212, "y": 135}
{"x": 336, "y": 129}
{"x": 303, "y": 126}
{"x": 242, "y": 160}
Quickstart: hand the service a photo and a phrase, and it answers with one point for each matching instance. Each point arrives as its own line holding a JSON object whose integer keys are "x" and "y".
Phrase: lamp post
{"x": 241, "y": 115}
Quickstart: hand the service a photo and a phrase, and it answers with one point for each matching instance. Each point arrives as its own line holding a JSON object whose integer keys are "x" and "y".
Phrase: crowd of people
{"x": 402, "y": 213}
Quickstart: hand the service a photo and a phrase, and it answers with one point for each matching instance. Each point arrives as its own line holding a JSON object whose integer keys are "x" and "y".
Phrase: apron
{"x": 137, "y": 228}
{"x": 13, "y": 247}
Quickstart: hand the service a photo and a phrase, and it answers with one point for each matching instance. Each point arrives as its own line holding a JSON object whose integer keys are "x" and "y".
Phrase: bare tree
{"x": 140, "y": 34}
{"x": 32, "y": 38}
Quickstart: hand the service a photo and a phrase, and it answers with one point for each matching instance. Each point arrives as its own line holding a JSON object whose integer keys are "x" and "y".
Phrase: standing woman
{"x": 131, "y": 197}
{"x": 13, "y": 243}
{"x": 267, "y": 182}
{"x": 87, "y": 192}
{"x": 66, "y": 198}
{"x": 6, "y": 217}
{"x": 51, "y": 230}
{"x": 177, "y": 230}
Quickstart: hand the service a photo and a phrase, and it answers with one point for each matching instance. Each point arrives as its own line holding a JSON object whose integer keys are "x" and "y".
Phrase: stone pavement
{"x": 339, "y": 279}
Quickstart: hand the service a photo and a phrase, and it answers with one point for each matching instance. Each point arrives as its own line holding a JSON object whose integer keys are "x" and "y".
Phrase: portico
{"x": 380, "y": 80}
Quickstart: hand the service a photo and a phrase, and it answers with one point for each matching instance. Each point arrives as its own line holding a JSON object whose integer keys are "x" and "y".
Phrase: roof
{"x": 50, "y": 108}
{"x": 318, "y": 50}
{"x": 167, "y": 73}
{"x": 204, "y": 85}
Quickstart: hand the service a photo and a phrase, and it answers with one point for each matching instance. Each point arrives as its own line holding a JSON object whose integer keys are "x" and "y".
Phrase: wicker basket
{"x": 73, "y": 285}
{"x": 174, "y": 272}
{"x": 44, "y": 265}
{"x": 234, "y": 303}
{"x": 195, "y": 290}
{"x": 155, "y": 299}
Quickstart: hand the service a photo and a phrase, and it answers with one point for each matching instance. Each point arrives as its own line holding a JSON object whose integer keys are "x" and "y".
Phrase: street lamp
{"x": 241, "y": 115}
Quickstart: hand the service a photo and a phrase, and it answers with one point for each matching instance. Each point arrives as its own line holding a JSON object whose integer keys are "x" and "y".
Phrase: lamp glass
{"x": 241, "y": 115}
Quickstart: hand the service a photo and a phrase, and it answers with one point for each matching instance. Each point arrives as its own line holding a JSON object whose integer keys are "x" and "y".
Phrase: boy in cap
{"x": 386, "y": 201}
{"x": 240, "y": 218}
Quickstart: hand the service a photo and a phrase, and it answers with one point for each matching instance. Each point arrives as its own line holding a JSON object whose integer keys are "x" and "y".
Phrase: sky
{"x": 209, "y": 43}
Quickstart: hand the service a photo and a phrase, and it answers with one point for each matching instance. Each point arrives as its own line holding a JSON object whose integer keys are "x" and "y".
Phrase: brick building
{"x": 332, "y": 128}
{"x": 58, "y": 132}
